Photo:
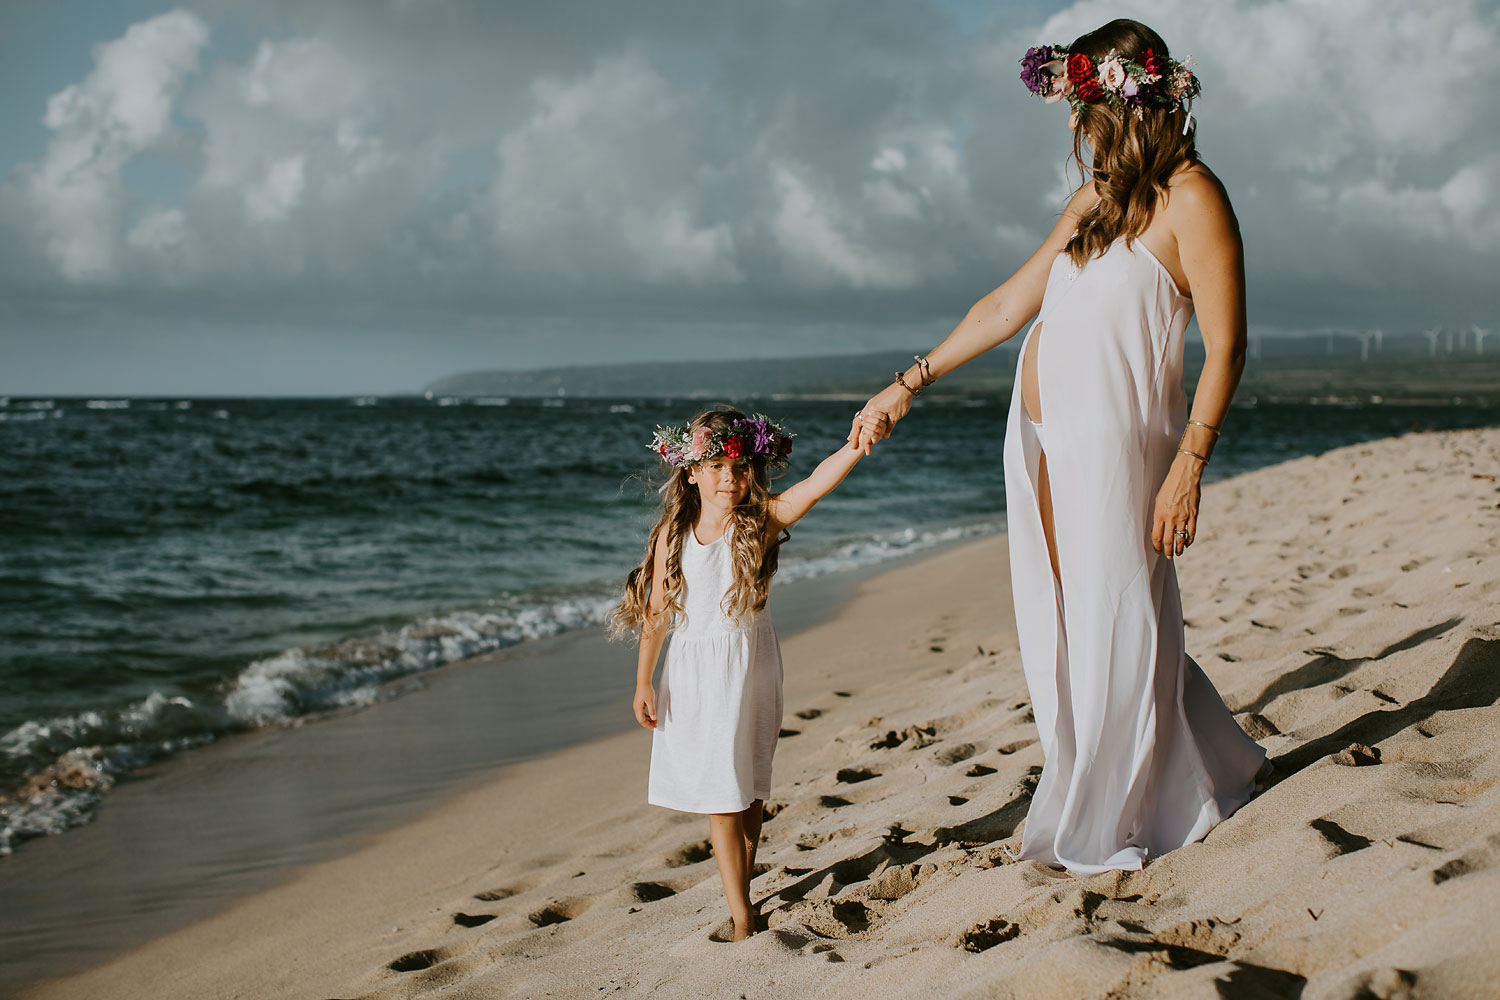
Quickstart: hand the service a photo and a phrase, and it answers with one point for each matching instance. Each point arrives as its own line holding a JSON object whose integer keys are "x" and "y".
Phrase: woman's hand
{"x": 878, "y": 417}
{"x": 645, "y": 706}
{"x": 1175, "y": 523}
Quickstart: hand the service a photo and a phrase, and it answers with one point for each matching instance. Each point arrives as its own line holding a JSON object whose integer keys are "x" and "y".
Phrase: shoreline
{"x": 1338, "y": 602}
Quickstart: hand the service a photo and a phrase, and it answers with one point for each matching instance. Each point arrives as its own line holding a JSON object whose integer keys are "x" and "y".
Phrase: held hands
{"x": 878, "y": 418}
{"x": 1175, "y": 523}
{"x": 645, "y": 706}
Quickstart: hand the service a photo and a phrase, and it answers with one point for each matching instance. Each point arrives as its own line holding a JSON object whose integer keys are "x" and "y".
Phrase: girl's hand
{"x": 645, "y": 706}
{"x": 1177, "y": 507}
{"x": 877, "y": 419}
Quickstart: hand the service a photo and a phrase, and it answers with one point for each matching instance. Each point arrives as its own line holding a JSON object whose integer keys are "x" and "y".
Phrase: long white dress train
{"x": 1141, "y": 756}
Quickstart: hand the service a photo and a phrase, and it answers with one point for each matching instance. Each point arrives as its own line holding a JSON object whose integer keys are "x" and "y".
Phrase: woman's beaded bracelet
{"x": 924, "y": 370}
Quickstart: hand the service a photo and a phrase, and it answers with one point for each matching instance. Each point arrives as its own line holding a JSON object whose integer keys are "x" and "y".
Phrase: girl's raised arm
{"x": 792, "y": 504}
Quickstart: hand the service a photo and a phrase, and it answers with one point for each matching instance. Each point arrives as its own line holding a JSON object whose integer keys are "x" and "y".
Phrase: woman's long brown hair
{"x": 1133, "y": 154}
{"x": 753, "y": 555}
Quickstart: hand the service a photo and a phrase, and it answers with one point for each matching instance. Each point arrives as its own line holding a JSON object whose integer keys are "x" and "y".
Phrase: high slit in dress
{"x": 1141, "y": 756}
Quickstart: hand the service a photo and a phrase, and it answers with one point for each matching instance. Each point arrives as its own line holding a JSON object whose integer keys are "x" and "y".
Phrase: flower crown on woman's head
{"x": 1052, "y": 72}
{"x": 746, "y": 437}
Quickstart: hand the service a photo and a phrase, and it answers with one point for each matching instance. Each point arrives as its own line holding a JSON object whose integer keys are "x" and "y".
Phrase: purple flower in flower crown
{"x": 759, "y": 433}
{"x": 1037, "y": 79}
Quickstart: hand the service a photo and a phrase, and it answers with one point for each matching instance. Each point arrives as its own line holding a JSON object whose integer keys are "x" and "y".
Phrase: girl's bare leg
{"x": 751, "y": 818}
{"x": 726, "y": 831}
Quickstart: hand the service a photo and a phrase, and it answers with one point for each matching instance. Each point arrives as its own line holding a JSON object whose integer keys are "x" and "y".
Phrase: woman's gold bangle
{"x": 1202, "y": 458}
{"x": 1209, "y": 426}
{"x": 901, "y": 380}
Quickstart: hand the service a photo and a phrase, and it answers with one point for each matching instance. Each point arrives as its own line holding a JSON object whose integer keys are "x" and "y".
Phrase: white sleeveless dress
{"x": 1141, "y": 756}
{"x": 718, "y": 705}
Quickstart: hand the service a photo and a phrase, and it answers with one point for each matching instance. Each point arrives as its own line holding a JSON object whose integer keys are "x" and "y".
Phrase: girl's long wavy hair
{"x": 753, "y": 556}
{"x": 1133, "y": 156}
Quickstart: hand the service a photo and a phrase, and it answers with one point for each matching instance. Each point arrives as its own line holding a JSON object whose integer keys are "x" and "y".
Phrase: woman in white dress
{"x": 1103, "y": 461}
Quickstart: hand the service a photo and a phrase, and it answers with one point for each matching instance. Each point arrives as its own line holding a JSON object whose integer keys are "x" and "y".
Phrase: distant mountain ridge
{"x": 1438, "y": 363}
{"x": 832, "y": 375}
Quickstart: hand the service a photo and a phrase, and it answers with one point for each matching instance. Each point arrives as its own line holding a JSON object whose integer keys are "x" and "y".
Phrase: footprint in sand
{"x": 986, "y": 934}
{"x": 472, "y": 919}
{"x": 956, "y": 754}
{"x": 1339, "y": 840}
{"x": 979, "y": 771}
{"x": 416, "y": 961}
{"x": 809, "y": 714}
{"x": 848, "y": 899}
{"x": 922, "y": 735}
{"x": 560, "y": 911}
{"x": 854, "y": 775}
{"x": 650, "y": 892}
{"x": 789, "y": 732}
{"x": 690, "y": 855}
{"x": 494, "y": 895}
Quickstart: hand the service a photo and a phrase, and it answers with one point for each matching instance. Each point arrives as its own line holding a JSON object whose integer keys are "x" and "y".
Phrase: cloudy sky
{"x": 351, "y": 196}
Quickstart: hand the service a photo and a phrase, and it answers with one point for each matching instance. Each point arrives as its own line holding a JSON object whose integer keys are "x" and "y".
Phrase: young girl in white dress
{"x": 705, "y": 578}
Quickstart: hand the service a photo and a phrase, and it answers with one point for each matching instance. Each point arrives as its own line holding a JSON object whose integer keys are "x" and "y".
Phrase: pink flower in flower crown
{"x": 1112, "y": 73}
{"x": 700, "y": 441}
{"x": 1130, "y": 88}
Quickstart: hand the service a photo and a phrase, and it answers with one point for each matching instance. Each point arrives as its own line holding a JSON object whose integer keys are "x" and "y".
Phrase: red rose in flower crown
{"x": 734, "y": 447}
{"x": 1090, "y": 90}
{"x": 1080, "y": 67}
{"x": 1151, "y": 63}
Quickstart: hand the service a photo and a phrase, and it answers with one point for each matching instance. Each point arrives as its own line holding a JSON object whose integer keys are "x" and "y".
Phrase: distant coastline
{"x": 1406, "y": 369}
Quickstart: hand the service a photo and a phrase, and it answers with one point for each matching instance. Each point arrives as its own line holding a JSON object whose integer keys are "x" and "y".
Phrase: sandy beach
{"x": 1345, "y": 606}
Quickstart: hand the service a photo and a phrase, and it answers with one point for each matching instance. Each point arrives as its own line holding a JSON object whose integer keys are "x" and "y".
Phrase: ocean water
{"x": 174, "y": 571}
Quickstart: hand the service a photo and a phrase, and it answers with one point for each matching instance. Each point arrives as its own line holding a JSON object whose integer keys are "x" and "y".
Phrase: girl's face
{"x": 723, "y": 483}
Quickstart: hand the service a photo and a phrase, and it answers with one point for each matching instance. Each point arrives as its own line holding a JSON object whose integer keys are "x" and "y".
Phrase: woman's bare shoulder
{"x": 1194, "y": 191}
{"x": 1195, "y": 182}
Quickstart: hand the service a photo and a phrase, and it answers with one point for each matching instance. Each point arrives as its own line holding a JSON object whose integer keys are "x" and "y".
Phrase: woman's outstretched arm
{"x": 992, "y": 321}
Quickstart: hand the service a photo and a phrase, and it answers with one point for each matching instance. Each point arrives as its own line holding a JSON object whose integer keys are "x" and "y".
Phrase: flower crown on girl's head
{"x": 747, "y": 437}
{"x": 1052, "y": 72}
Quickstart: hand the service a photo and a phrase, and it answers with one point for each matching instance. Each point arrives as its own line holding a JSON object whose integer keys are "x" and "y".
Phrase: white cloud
{"x": 158, "y": 230}
{"x": 818, "y": 244}
{"x": 603, "y": 176}
{"x": 122, "y": 107}
{"x": 305, "y": 79}
{"x": 275, "y": 194}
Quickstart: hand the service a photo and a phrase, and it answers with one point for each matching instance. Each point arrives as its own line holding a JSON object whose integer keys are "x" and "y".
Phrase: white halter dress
{"x": 718, "y": 705}
{"x": 1141, "y": 756}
